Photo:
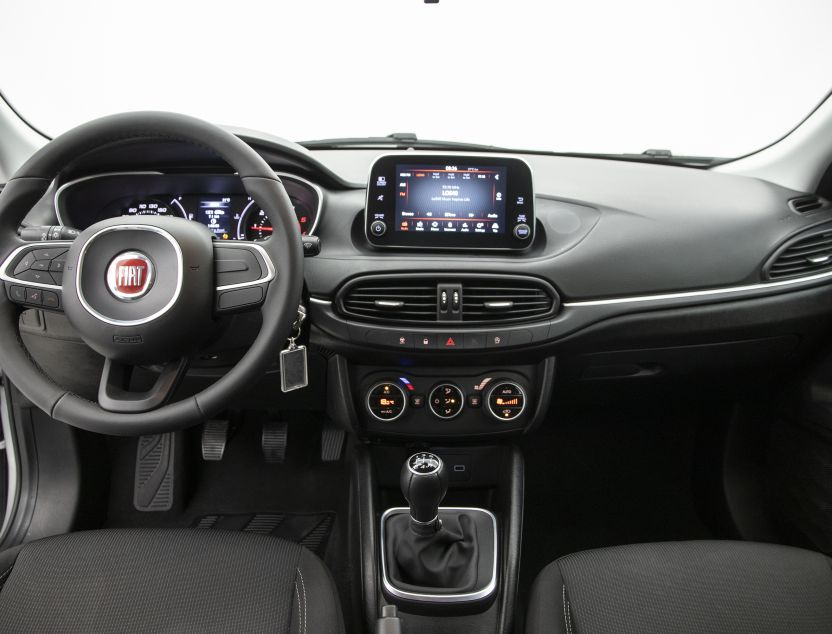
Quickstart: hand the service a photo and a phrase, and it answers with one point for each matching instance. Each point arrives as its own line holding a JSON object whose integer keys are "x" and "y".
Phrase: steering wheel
{"x": 146, "y": 290}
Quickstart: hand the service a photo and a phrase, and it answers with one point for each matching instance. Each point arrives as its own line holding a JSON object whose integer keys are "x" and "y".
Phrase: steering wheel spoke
{"x": 243, "y": 272}
{"x": 114, "y": 392}
{"x": 33, "y": 274}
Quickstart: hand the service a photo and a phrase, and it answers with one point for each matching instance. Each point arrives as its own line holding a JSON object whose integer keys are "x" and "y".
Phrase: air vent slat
{"x": 413, "y": 300}
{"x": 803, "y": 256}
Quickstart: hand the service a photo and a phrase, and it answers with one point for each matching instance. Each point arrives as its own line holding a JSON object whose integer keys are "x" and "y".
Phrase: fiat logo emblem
{"x": 130, "y": 275}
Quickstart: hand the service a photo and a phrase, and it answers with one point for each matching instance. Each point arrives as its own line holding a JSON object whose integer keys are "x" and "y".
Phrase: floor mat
{"x": 309, "y": 529}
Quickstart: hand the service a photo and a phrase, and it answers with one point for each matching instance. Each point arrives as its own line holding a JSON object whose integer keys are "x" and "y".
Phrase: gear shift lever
{"x": 424, "y": 483}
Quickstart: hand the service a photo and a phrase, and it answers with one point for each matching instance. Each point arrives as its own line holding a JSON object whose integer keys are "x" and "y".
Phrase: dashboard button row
{"x": 448, "y": 340}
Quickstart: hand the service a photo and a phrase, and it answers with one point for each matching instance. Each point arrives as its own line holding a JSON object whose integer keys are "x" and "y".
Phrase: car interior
{"x": 387, "y": 384}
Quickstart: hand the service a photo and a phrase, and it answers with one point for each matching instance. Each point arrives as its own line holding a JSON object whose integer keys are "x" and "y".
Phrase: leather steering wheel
{"x": 144, "y": 290}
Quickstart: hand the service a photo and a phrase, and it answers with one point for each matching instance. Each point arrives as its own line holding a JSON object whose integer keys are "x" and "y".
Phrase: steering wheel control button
{"x": 17, "y": 294}
{"x": 378, "y": 228}
{"x": 40, "y": 265}
{"x": 36, "y": 277}
{"x": 25, "y": 263}
{"x": 506, "y": 400}
{"x": 51, "y": 300}
{"x": 130, "y": 275}
{"x": 48, "y": 254}
{"x": 34, "y": 296}
{"x": 522, "y": 231}
{"x": 446, "y": 401}
{"x": 386, "y": 401}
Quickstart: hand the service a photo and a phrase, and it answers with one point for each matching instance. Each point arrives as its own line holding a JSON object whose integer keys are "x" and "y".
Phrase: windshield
{"x": 710, "y": 78}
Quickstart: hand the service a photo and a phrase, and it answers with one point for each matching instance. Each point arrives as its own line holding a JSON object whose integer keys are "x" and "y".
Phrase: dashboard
{"x": 615, "y": 269}
{"x": 215, "y": 201}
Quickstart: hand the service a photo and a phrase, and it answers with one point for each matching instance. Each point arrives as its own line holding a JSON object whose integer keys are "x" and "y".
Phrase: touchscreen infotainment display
{"x": 450, "y": 199}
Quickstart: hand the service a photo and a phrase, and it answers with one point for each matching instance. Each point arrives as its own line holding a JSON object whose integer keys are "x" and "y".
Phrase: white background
{"x": 710, "y": 77}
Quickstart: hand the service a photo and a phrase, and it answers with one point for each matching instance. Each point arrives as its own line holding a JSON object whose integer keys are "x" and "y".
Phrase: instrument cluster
{"x": 216, "y": 201}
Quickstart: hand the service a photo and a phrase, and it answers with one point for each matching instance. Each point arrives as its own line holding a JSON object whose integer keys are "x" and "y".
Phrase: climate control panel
{"x": 419, "y": 404}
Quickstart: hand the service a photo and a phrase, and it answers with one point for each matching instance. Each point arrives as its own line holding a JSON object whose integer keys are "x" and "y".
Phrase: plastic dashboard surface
{"x": 215, "y": 200}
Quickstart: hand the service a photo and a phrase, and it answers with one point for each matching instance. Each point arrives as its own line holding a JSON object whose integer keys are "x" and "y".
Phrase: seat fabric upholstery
{"x": 179, "y": 581}
{"x": 702, "y": 587}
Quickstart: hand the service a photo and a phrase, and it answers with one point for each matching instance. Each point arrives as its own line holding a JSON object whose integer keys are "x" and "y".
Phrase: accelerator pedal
{"x": 274, "y": 441}
{"x": 332, "y": 442}
{"x": 154, "y": 481}
{"x": 214, "y": 439}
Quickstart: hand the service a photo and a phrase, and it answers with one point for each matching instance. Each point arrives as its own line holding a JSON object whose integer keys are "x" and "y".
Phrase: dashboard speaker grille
{"x": 415, "y": 298}
{"x": 804, "y": 255}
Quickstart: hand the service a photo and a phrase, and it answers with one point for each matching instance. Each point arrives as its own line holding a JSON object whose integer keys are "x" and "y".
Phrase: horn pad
{"x": 140, "y": 289}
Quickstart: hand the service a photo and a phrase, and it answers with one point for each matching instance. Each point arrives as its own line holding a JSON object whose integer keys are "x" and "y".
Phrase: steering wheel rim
{"x": 279, "y": 308}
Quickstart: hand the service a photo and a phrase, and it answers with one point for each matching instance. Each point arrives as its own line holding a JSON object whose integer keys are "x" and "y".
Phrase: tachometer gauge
{"x": 154, "y": 207}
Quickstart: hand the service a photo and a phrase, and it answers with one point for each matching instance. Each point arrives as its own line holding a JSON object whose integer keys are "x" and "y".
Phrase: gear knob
{"x": 424, "y": 482}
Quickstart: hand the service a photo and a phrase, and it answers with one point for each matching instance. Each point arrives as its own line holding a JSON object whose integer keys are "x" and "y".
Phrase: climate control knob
{"x": 506, "y": 400}
{"x": 446, "y": 401}
{"x": 386, "y": 401}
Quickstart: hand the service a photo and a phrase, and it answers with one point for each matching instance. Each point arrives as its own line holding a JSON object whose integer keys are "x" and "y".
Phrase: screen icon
{"x": 382, "y": 181}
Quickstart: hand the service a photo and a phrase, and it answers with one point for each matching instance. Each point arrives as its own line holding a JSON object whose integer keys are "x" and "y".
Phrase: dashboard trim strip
{"x": 711, "y": 292}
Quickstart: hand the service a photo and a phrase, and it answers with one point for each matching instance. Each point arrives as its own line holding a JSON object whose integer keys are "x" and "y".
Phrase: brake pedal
{"x": 214, "y": 439}
{"x": 274, "y": 441}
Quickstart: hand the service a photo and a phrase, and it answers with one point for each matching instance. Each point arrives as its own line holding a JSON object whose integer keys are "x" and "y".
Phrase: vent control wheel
{"x": 446, "y": 401}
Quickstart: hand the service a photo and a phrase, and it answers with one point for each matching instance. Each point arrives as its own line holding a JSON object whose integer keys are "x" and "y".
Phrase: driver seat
{"x": 149, "y": 580}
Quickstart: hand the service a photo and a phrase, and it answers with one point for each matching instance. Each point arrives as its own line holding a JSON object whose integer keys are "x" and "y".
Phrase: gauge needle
{"x": 262, "y": 229}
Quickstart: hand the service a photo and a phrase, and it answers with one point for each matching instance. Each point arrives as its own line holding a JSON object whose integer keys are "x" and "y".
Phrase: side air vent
{"x": 804, "y": 255}
{"x": 808, "y": 204}
{"x": 491, "y": 299}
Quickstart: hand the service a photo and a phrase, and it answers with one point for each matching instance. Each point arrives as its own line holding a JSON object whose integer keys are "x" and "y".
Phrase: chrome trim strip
{"x": 729, "y": 290}
{"x": 322, "y": 302}
{"x": 29, "y": 245}
{"x": 486, "y": 592}
{"x": 270, "y": 270}
{"x": 460, "y": 154}
{"x": 132, "y": 322}
{"x": 69, "y": 184}
{"x": 12, "y": 467}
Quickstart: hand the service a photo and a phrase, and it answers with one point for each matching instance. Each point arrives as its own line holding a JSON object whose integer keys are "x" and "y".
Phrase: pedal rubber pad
{"x": 214, "y": 439}
{"x": 332, "y": 442}
{"x": 274, "y": 441}
{"x": 154, "y": 478}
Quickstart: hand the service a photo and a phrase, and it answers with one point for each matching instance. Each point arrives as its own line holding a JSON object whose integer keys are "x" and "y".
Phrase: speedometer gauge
{"x": 154, "y": 207}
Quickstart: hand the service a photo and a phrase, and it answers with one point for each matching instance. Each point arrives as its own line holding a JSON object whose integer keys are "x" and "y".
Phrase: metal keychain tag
{"x": 293, "y": 369}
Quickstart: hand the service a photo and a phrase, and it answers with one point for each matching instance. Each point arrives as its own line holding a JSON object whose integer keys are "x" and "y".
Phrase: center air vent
{"x": 803, "y": 255}
{"x": 396, "y": 299}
